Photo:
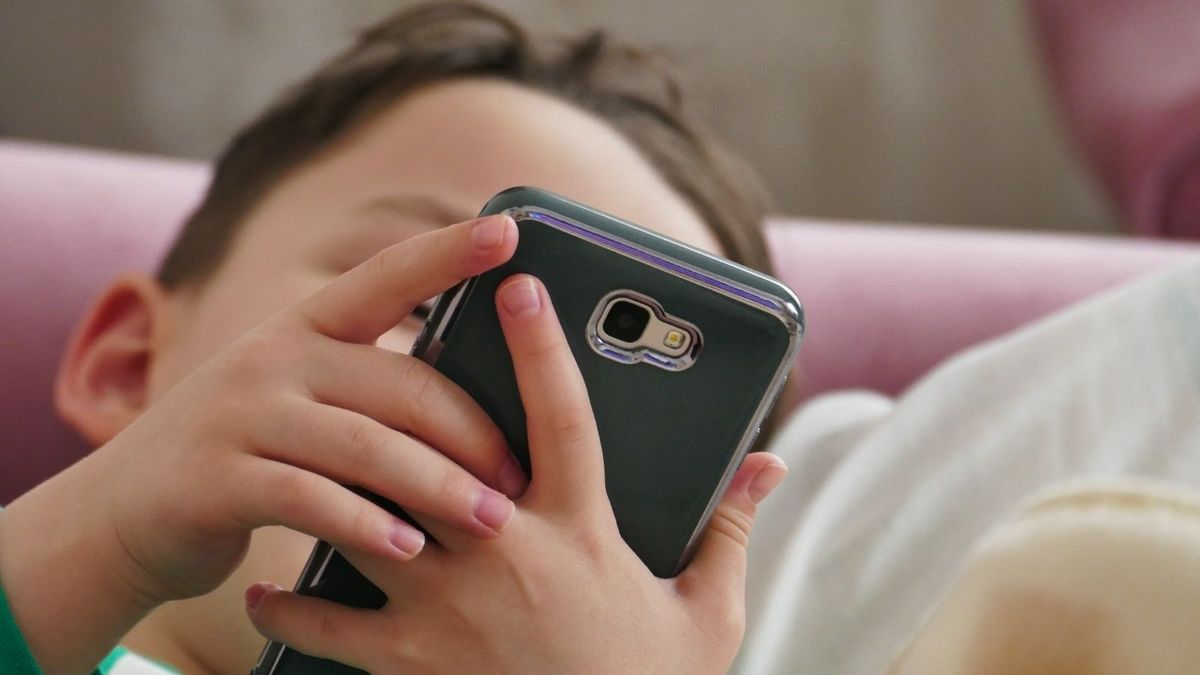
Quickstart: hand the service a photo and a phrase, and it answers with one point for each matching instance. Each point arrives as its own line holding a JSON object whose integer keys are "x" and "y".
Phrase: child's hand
{"x": 268, "y": 432}
{"x": 560, "y": 592}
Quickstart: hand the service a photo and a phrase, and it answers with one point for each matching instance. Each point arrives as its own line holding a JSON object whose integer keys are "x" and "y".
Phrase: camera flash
{"x": 674, "y": 339}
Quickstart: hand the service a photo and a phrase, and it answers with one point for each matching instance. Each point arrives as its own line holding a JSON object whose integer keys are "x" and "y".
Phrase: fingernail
{"x": 407, "y": 539}
{"x": 520, "y": 297}
{"x": 494, "y": 510}
{"x": 512, "y": 480}
{"x": 489, "y": 232}
{"x": 768, "y": 478}
{"x": 257, "y": 592}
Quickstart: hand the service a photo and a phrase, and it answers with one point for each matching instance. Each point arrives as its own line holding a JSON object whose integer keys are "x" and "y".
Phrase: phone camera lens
{"x": 626, "y": 321}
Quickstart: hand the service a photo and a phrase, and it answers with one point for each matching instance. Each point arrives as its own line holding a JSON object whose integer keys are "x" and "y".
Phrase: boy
{"x": 264, "y": 368}
{"x": 240, "y": 388}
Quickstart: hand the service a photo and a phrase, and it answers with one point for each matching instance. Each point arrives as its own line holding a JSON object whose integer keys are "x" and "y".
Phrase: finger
{"x": 312, "y": 626}
{"x": 278, "y": 494}
{"x": 363, "y": 303}
{"x": 718, "y": 572}
{"x": 414, "y": 581}
{"x": 409, "y": 395}
{"x": 564, "y": 446}
{"x": 354, "y": 449}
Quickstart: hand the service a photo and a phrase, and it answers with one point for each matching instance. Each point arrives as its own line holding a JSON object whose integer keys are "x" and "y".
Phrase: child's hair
{"x": 442, "y": 41}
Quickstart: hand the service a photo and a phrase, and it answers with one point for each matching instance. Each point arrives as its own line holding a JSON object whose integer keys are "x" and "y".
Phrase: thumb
{"x": 719, "y": 568}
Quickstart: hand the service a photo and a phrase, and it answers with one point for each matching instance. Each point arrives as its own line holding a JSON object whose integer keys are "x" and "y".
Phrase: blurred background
{"x": 1030, "y": 115}
{"x": 926, "y": 111}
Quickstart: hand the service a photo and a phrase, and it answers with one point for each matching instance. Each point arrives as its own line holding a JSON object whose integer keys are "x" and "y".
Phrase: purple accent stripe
{"x": 622, "y": 356}
{"x": 653, "y": 259}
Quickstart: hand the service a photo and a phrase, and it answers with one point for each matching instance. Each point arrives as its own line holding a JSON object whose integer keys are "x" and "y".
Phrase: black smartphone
{"x": 683, "y": 354}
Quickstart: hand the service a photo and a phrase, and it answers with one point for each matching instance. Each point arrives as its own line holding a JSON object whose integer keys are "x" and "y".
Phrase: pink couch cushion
{"x": 884, "y": 303}
{"x": 1127, "y": 73}
{"x": 69, "y": 221}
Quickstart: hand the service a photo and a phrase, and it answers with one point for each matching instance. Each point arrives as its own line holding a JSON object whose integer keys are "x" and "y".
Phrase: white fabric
{"x": 1096, "y": 576}
{"x": 885, "y": 499}
{"x": 132, "y": 664}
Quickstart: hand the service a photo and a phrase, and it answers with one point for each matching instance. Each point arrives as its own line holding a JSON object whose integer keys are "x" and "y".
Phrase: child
{"x": 231, "y": 397}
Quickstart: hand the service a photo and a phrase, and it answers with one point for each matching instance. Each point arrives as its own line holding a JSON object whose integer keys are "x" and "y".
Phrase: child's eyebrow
{"x": 430, "y": 207}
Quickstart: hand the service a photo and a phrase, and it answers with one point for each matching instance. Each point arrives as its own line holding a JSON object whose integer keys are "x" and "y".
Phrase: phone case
{"x": 672, "y": 438}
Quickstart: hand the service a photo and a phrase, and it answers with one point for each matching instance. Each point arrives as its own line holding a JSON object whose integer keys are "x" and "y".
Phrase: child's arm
{"x": 62, "y": 571}
{"x": 560, "y": 592}
{"x": 266, "y": 432}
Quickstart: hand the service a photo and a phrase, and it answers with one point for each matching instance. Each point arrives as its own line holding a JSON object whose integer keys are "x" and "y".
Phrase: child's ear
{"x": 102, "y": 381}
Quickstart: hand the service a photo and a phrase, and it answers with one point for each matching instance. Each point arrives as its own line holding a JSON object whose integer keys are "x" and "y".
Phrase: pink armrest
{"x": 70, "y": 219}
{"x": 884, "y": 303}
{"x": 1127, "y": 73}
{"x": 887, "y": 303}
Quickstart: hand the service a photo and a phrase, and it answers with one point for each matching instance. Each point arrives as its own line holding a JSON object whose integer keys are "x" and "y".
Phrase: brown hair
{"x": 627, "y": 87}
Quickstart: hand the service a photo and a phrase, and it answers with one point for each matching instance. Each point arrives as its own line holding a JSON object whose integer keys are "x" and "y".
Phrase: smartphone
{"x": 683, "y": 354}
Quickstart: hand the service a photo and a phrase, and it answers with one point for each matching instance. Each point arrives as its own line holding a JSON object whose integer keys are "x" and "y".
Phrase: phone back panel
{"x": 671, "y": 439}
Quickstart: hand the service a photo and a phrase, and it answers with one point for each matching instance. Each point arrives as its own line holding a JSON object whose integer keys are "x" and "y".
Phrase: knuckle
{"x": 454, "y": 487}
{"x": 591, "y": 543}
{"x": 382, "y": 269}
{"x": 401, "y": 647}
{"x": 543, "y": 346}
{"x": 573, "y": 425}
{"x": 293, "y": 497}
{"x": 327, "y": 629}
{"x": 594, "y": 536}
{"x": 293, "y": 491}
{"x": 733, "y": 523}
{"x": 361, "y": 521}
{"x": 253, "y": 349}
{"x": 254, "y": 358}
{"x": 376, "y": 267}
{"x": 420, "y": 383}
{"x": 362, "y": 443}
{"x": 221, "y": 416}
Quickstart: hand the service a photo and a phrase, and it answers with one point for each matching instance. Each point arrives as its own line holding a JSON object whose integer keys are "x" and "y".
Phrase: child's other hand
{"x": 560, "y": 592}
{"x": 269, "y": 431}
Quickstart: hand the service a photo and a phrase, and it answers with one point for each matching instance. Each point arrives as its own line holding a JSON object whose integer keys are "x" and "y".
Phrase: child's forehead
{"x": 447, "y": 149}
{"x": 436, "y": 156}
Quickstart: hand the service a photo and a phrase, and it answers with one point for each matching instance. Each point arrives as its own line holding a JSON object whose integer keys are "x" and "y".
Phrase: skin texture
{"x": 239, "y": 405}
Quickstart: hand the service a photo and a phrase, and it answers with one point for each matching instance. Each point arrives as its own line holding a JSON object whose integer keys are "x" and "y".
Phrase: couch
{"x": 885, "y": 303}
